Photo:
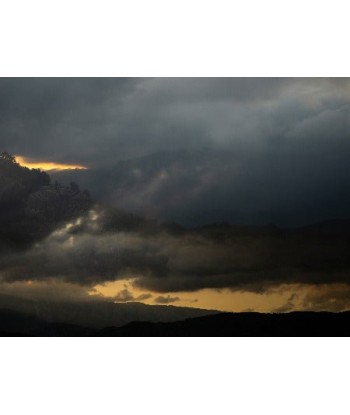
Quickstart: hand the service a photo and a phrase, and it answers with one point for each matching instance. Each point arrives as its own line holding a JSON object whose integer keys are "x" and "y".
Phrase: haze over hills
{"x": 150, "y": 185}
{"x": 93, "y": 313}
{"x": 197, "y": 187}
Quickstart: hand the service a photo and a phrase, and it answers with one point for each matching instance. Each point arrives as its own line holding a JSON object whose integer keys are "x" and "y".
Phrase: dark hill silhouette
{"x": 96, "y": 314}
{"x": 299, "y": 324}
{"x": 328, "y": 228}
{"x": 31, "y": 206}
{"x": 14, "y": 323}
{"x": 296, "y": 324}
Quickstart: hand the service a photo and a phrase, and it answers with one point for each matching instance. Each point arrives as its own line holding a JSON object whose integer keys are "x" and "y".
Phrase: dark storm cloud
{"x": 64, "y": 117}
{"x": 102, "y": 120}
{"x": 288, "y": 140}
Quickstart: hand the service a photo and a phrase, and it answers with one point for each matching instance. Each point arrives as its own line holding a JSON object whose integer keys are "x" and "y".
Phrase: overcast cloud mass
{"x": 276, "y": 149}
{"x": 101, "y": 121}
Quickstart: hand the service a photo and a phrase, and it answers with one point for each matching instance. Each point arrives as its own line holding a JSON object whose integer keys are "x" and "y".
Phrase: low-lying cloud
{"x": 125, "y": 296}
{"x": 247, "y": 260}
{"x": 166, "y": 299}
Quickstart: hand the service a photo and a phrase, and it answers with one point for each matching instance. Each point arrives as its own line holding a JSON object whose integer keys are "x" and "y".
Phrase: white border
{"x": 172, "y": 376}
{"x": 182, "y": 38}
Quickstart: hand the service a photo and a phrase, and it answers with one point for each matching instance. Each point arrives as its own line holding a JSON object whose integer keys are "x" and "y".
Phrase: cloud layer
{"x": 100, "y": 121}
{"x": 279, "y": 146}
{"x": 88, "y": 252}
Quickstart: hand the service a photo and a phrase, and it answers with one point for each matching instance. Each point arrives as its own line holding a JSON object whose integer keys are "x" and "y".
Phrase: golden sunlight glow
{"x": 221, "y": 300}
{"x": 47, "y": 166}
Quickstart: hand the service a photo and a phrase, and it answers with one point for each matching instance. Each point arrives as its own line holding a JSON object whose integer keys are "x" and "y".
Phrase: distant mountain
{"x": 196, "y": 187}
{"x": 97, "y": 314}
{"x": 188, "y": 187}
{"x": 336, "y": 227}
{"x": 14, "y": 323}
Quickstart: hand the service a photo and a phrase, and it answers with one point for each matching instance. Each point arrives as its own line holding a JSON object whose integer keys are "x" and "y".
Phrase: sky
{"x": 98, "y": 121}
{"x": 248, "y": 151}
{"x": 277, "y": 148}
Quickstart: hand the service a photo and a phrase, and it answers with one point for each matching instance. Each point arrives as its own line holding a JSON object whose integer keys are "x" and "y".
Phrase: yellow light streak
{"x": 47, "y": 166}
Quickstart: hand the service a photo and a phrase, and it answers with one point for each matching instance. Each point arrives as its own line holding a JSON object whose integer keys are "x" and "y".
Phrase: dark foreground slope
{"x": 96, "y": 314}
{"x": 301, "y": 324}
{"x": 14, "y": 323}
{"x": 243, "y": 324}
